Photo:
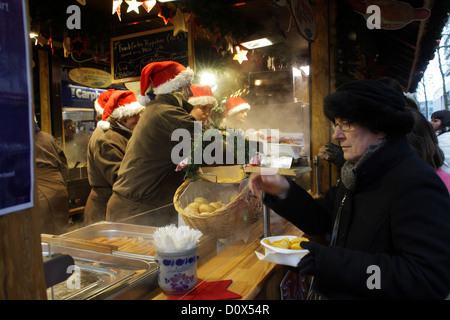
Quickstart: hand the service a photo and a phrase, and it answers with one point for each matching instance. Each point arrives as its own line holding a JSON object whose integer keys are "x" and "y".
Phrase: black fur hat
{"x": 371, "y": 104}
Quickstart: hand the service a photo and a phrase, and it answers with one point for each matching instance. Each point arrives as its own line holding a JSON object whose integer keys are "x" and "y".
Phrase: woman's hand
{"x": 273, "y": 184}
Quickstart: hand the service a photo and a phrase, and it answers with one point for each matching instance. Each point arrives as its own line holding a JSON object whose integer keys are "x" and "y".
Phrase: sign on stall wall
{"x": 16, "y": 129}
{"x": 131, "y": 53}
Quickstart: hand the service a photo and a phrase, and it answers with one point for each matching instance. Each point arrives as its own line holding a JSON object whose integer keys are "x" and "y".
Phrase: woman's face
{"x": 240, "y": 116}
{"x": 355, "y": 139}
{"x": 436, "y": 123}
{"x": 202, "y": 113}
{"x": 131, "y": 122}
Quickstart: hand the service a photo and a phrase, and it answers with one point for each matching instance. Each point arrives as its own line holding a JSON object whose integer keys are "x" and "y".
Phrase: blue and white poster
{"x": 16, "y": 135}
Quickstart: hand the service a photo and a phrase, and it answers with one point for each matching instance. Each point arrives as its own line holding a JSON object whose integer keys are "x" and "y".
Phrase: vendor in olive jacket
{"x": 388, "y": 217}
{"x": 147, "y": 178}
{"x": 120, "y": 114}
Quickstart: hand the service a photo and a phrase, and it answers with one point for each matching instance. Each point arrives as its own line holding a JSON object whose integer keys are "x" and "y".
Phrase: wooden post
{"x": 322, "y": 76}
{"x": 44, "y": 85}
{"x": 21, "y": 264}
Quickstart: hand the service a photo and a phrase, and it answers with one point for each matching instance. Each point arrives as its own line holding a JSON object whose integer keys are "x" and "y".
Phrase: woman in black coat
{"x": 389, "y": 215}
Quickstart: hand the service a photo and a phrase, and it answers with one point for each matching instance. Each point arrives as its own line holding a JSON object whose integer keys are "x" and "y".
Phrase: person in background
{"x": 120, "y": 112}
{"x": 75, "y": 146}
{"x": 384, "y": 243}
{"x": 332, "y": 153}
{"x": 236, "y": 110}
{"x": 147, "y": 178}
{"x": 441, "y": 123}
{"x": 51, "y": 183}
{"x": 203, "y": 102}
{"x": 424, "y": 142}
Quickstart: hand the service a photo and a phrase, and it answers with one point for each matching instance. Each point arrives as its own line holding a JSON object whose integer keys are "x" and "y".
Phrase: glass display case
{"x": 79, "y": 124}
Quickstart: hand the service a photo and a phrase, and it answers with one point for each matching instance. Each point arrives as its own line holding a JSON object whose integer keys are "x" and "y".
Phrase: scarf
{"x": 348, "y": 171}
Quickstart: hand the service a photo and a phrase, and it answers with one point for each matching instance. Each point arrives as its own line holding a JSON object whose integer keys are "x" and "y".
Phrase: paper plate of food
{"x": 284, "y": 250}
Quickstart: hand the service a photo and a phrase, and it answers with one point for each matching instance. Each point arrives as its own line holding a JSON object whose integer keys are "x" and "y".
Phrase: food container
{"x": 102, "y": 276}
{"x": 114, "y": 230}
{"x": 241, "y": 212}
{"x": 284, "y": 149}
{"x": 223, "y": 174}
{"x": 281, "y": 256}
{"x": 111, "y": 230}
{"x": 177, "y": 270}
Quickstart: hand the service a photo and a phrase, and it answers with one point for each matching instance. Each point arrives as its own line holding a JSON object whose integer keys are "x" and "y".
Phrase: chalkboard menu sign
{"x": 133, "y": 52}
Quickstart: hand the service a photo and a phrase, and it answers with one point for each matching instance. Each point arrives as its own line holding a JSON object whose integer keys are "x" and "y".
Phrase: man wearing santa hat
{"x": 203, "y": 102}
{"x": 236, "y": 110}
{"x": 147, "y": 178}
{"x": 120, "y": 112}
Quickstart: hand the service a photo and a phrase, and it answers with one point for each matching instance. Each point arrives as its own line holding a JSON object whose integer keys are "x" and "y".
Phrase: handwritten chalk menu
{"x": 16, "y": 130}
{"x": 133, "y": 52}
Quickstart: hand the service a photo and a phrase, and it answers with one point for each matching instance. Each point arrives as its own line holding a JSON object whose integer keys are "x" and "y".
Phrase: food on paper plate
{"x": 285, "y": 243}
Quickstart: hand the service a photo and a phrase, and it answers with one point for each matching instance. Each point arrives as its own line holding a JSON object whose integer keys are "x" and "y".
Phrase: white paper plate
{"x": 287, "y": 257}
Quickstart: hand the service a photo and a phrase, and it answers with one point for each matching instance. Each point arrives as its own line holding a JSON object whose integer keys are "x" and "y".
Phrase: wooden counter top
{"x": 252, "y": 278}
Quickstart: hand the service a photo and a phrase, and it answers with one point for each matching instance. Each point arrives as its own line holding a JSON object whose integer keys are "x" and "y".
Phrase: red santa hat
{"x": 116, "y": 104}
{"x": 202, "y": 95}
{"x": 235, "y": 105}
{"x": 165, "y": 77}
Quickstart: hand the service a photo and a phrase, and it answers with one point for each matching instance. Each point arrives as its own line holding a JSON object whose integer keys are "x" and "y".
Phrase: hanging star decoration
{"x": 179, "y": 22}
{"x": 79, "y": 46}
{"x": 66, "y": 44}
{"x": 241, "y": 55}
{"x": 40, "y": 39}
{"x": 133, "y": 5}
{"x": 50, "y": 42}
{"x": 166, "y": 13}
{"x": 108, "y": 57}
{"x": 116, "y": 8}
{"x": 148, "y": 5}
{"x": 229, "y": 43}
{"x": 96, "y": 56}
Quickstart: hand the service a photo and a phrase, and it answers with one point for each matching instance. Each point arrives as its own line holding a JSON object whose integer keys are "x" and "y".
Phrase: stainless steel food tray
{"x": 113, "y": 229}
{"x": 206, "y": 246}
{"x": 103, "y": 276}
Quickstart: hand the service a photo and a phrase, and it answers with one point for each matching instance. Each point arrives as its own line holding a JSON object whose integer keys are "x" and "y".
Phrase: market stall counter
{"x": 235, "y": 272}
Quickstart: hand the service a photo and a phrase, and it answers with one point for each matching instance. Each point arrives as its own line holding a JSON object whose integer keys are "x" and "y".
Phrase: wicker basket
{"x": 242, "y": 210}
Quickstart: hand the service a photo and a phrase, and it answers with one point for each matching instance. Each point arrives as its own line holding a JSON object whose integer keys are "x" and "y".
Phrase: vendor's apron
{"x": 95, "y": 209}
{"x": 122, "y": 209}
{"x": 53, "y": 203}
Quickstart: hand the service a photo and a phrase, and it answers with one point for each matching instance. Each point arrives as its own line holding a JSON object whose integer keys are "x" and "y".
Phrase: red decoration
{"x": 108, "y": 57}
{"x": 50, "y": 41}
{"x": 96, "y": 56}
{"x": 166, "y": 13}
{"x": 213, "y": 290}
{"x": 79, "y": 46}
